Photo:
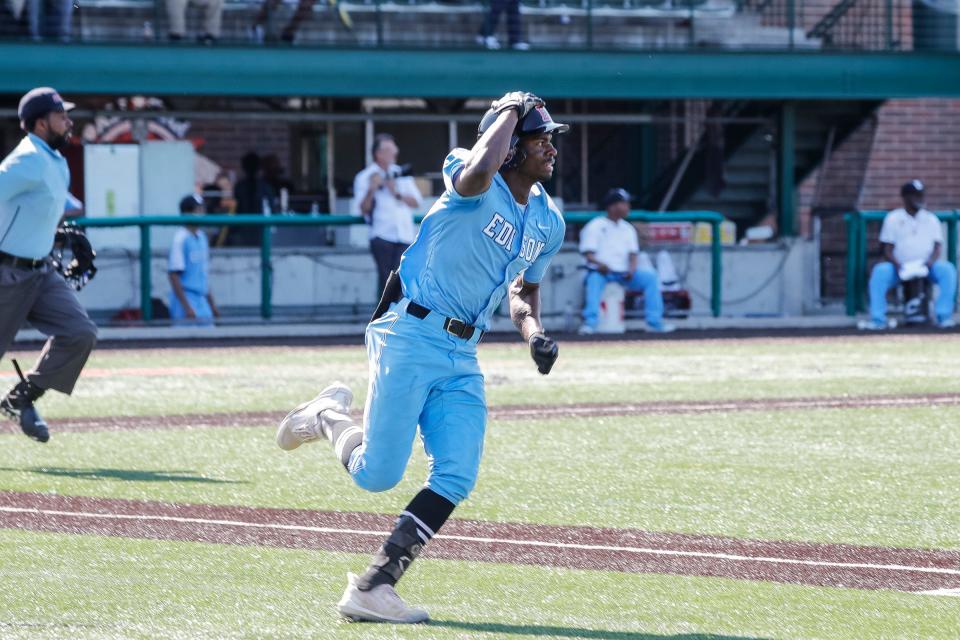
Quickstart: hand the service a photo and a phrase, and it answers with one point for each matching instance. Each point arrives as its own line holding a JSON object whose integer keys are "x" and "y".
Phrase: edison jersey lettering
{"x": 503, "y": 234}
{"x": 469, "y": 250}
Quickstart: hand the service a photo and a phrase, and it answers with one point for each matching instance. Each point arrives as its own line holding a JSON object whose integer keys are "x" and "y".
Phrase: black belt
{"x": 25, "y": 263}
{"x": 452, "y": 326}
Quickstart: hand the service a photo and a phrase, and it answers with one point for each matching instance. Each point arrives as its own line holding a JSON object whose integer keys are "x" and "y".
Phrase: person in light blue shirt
{"x": 491, "y": 234}
{"x": 33, "y": 191}
{"x": 191, "y": 302}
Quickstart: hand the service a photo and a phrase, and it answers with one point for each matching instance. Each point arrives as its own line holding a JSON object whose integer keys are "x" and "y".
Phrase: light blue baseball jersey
{"x": 469, "y": 249}
{"x": 190, "y": 256}
{"x": 33, "y": 191}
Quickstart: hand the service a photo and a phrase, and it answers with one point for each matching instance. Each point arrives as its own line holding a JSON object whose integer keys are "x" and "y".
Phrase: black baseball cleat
{"x": 18, "y": 406}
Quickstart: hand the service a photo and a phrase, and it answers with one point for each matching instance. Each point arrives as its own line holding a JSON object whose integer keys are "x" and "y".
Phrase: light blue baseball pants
{"x": 421, "y": 375}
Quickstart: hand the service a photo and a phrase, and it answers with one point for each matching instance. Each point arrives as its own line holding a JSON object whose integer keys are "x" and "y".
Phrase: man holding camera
{"x": 33, "y": 194}
{"x": 386, "y": 196}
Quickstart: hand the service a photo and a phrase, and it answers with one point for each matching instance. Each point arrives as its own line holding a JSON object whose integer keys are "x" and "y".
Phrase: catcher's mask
{"x": 534, "y": 123}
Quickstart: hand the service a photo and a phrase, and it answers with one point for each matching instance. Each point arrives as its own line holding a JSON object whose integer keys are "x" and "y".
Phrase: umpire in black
{"x": 33, "y": 191}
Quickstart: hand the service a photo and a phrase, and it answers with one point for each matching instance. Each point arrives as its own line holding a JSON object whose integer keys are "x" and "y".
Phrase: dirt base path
{"x": 625, "y": 550}
{"x": 517, "y": 412}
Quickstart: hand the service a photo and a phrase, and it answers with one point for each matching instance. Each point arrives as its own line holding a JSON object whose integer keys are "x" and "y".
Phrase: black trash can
{"x": 935, "y": 25}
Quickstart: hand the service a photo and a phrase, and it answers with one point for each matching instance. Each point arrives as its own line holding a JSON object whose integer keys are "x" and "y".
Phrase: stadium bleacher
{"x": 607, "y": 24}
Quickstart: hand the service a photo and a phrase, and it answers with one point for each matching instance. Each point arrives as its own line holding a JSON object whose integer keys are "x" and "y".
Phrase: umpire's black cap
{"x": 38, "y": 102}
{"x": 914, "y": 186}
{"x": 615, "y": 195}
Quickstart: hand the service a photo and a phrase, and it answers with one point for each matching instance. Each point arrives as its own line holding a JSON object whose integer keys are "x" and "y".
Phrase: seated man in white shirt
{"x": 386, "y": 199}
{"x": 611, "y": 248}
{"x": 911, "y": 238}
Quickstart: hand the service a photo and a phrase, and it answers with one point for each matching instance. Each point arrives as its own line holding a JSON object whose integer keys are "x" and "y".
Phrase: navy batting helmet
{"x": 534, "y": 123}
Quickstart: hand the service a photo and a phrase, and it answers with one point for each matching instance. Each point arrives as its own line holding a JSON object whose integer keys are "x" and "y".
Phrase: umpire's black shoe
{"x": 18, "y": 406}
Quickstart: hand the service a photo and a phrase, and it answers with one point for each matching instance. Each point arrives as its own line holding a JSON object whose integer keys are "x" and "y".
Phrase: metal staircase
{"x": 861, "y": 24}
{"x": 746, "y": 191}
{"x": 825, "y": 28}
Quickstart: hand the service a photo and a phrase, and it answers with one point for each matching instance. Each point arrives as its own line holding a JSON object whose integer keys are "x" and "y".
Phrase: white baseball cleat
{"x": 380, "y": 604}
{"x": 303, "y": 423}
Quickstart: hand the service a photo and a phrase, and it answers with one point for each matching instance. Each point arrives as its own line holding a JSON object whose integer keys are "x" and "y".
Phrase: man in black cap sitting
{"x": 611, "y": 248}
{"x": 33, "y": 192}
{"x": 912, "y": 241}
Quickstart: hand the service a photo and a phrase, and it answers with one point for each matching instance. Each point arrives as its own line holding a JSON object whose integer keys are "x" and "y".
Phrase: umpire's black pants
{"x": 387, "y": 256}
{"x": 42, "y": 297}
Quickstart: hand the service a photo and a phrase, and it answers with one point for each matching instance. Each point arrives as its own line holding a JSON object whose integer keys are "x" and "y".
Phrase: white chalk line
{"x": 955, "y": 593}
{"x": 508, "y": 541}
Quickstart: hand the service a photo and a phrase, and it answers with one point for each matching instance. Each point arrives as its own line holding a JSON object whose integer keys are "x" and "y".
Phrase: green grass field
{"x": 865, "y": 476}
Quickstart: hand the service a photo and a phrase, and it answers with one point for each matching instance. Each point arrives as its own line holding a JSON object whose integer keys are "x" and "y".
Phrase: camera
{"x": 402, "y": 171}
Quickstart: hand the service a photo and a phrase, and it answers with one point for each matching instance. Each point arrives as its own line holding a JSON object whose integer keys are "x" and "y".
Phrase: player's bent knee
{"x": 376, "y": 482}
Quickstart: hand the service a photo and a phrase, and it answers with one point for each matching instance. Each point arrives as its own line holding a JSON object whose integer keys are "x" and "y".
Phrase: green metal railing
{"x": 856, "y": 222}
{"x": 266, "y": 223}
{"x": 145, "y": 223}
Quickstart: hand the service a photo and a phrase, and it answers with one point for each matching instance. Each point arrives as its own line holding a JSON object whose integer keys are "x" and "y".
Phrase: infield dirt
{"x": 605, "y": 549}
{"x": 518, "y": 412}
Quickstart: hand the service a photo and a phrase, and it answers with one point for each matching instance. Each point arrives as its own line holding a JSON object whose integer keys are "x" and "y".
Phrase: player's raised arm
{"x": 493, "y": 147}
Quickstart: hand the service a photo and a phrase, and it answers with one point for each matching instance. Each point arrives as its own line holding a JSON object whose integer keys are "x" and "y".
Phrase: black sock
{"x": 418, "y": 523}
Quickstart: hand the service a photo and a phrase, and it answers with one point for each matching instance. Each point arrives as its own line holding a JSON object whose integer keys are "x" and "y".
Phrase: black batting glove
{"x": 522, "y": 101}
{"x": 544, "y": 352}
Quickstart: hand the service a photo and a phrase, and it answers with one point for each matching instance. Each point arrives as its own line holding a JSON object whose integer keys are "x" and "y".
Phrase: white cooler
{"x": 610, "y": 318}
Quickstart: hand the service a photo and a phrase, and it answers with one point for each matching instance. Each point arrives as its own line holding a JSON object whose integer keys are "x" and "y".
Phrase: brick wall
{"x": 228, "y": 139}
{"x": 914, "y": 139}
{"x": 846, "y": 169}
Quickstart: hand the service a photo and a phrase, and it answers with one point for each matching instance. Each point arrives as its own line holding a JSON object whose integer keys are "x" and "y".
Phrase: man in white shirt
{"x": 911, "y": 238}
{"x": 611, "y": 248}
{"x": 386, "y": 199}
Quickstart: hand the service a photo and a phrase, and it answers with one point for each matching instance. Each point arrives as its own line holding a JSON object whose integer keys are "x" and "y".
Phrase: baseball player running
{"x": 494, "y": 229}
{"x": 33, "y": 191}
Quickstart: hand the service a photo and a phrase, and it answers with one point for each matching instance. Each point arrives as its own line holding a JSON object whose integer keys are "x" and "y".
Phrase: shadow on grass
{"x": 130, "y": 475}
{"x": 573, "y": 632}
